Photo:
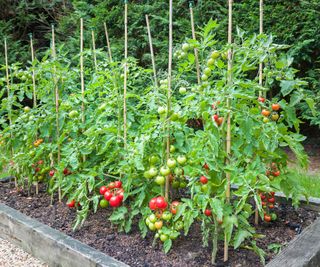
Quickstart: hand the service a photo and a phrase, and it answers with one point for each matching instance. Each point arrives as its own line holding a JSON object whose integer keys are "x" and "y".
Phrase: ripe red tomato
{"x": 111, "y": 185}
{"x": 120, "y": 195}
{"x": 215, "y": 117}
{"x": 261, "y": 99}
{"x": 152, "y": 204}
{"x": 40, "y": 162}
{"x": 117, "y": 184}
{"x": 207, "y": 212}
{"x": 108, "y": 195}
{"x": 115, "y": 201}
{"x": 265, "y": 112}
{"x": 37, "y": 169}
{"x": 276, "y": 173}
{"x": 51, "y": 173}
{"x": 174, "y": 207}
{"x": 219, "y": 121}
{"x": 203, "y": 179}
{"x": 267, "y": 218}
{"x": 71, "y": 204}
{"x": 161, "y": 203}
{"x": 65, "y": 171}
{"x": 262, "y": 196}
{"x": 271, "y": 206}
{"x": 103, "y": 189}
{"x": 272, "y": 193}
{"x": 205, "y": 166}
{"x": 271, "y": 200}
{"x": 275, "y": 107}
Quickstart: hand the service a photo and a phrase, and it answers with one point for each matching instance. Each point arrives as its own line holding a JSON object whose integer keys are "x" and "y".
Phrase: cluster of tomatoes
{"x": 273, "y": 171}
{"x": 161, "y": 220}
{"x": 39, "y": 171}
{"x": 38, "y": 142}
{"x": 268, "y": 201}
{"x": 218, "y": 120}
{"x": 173, "y": 169}
{"x": 267, "y": 114}
{"x": 113, "y": 194}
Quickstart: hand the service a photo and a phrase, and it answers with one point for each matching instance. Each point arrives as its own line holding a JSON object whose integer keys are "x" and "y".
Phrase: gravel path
{"x": 13, "y": 256}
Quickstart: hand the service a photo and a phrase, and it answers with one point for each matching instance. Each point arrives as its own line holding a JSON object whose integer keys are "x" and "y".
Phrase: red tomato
{"x": 207, "y": 212}
{"x": 120, "y": 196}
{"x": 215, "y": 117}
{"x": 152, "y": 204}
{"x": 71, "y": 204}
{"x": 37, "y": 169}
{"x": 65, "y": 171}
{"x": 115, "y": 201}
{"x": 275, "y": 107}
{"x": 276, "y": 173}
{"x": 108, "y": 195}
{"x": 40, "y": 162}
{"x": 102, "y": 190}
{"x": 111, "y": 185}
{"x": 265, "y": 112}
{"x": 203, "y": 179}
{"x": 161, "y": 203}
{"x": 262, "y": 196}
{"x": 267, "y": 218}
{"x": 174, "y": 207}
{"x": 51, "y": 173}
{"x": 205, "y": 166}
{"x": 271, "y": 200}
{"x": 261, "y": 99}
{"x": 117, "y": 184}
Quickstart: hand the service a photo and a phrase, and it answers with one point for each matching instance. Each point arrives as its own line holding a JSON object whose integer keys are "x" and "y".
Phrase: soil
{"x": 135, "y": 251}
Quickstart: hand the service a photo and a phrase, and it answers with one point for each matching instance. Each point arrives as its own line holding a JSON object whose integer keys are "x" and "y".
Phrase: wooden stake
{"x": 169, "y": 94}
{"x": 256, "y": 214}
{"x": 125, "y": 73}
{"x": 151, "y": 52}
{"x": 33, "y": 73}
{"x": 194, "y": 38}
{"x": 228, "y": 139}
{"x": 81, "y": 72}
{"x": 9, "y": 102}
{"x": 108, "y": 43}
{"x": 55, "y": 80}
{"x": 94, "y": 50}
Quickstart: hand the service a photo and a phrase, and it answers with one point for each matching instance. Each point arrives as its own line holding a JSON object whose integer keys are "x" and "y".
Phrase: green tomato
{"x": 273, "y": 216}
{"x": 154, "y": 159}
{"x": 182, "y": 159}
{"x": 204, "y": 77}
{"x": 167, "y": 215}
{"x": 147, "y": 222}
{"x": 161, "y": 110}
{"x": 182, "y": 90}
{"x": 185, "y": 47}
{"x": 178, "y": 171}
{"x": 175, "y": 116}
{"x": 204, "y": 188}
{"x": 172, "y": 149}
{"x": 153, "y": 172}
{"x": 26, "y": 109}
{"x": 160, "y": 180}
{"x": 147, "y": 175}
{"x": 207, "y": 71}
{"x": 183, "y": 184}
{"x": 152, "y": 218}
{"x": 210, "y": 62}
{"x": 183, "y": 54}
{"x": 171, "y": 163}
{"x": 175, "y": 184}
{"x": 164, "y": 237}
{"x": 104, "y": 203}
{"x": 73, "y": 114}
{"x": 174, "y": 235}
{"x": 164, "y": 81}
{"x": 151, "y": 226}
{"x": 215, "y": 54}
{"x": 157, "y": 235}
{"x": 164, "y": 171}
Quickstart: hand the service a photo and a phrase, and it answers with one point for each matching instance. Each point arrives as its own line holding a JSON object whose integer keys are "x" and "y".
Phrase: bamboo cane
{"x": 94, "y": 50}
{"x": 194, "y": 38}
{"x": 151, "y": 52}
{"x": 169, "y": 94}
{"x": 9, "y": 103}
{"x": 256, "y": 214}
{"x": 56, "y": 104}
{"x": 228, "y": 139}
{"x": 125, "y": 73}
{"x": 108, "y": 42}
{"x": 81, "y": 72}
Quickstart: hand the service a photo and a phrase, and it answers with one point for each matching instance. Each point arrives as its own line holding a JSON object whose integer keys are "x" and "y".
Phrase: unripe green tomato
{"x": 204, "y": 188}
{"x": 183, "y": 54}
{"x": 182, "y": 90}
{"x": 153, "y": 172}
{"x": 266, "y": 120}
{"x": 163, "y": 237}
{"x": 172, "y": 149}
{"x": 175, "y": 184}
{"x": 164, "y": 170}
{"x": 154, "y": 159}
{"x": 104, "y": 203}
{"x": 171, "y": 163}
{"x": 207, "y": 71}
{"x": 73, "y": 114}
{"x": 147, "y": 175}
{"x": 164, "y": 82}
{"x": 167, "y": 215}
{"x": 215, "y": 54}
{"x": 160, "y": 180}
{"x": 178, "y": 225}
{"x": 210, "y": 62}
{"x": 178, "y": 171}
{"x": 147, "y": 222}
{"x": 175, "y": 116}
{"x": 185, "y": 47}
{"x": 173, "y": 236}
{"x": 161, "y": 110}
{"x": 204, "y": 77}
{"x": 26, "y": 109}
{"x": 183, "y": 184}
{"x": 182, "y": 159}
{"x": 152, "y": 218}
{"x": 152, "y": 227}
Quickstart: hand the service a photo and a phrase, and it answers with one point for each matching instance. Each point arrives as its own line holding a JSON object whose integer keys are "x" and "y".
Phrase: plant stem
{"x": 215, "y": 241}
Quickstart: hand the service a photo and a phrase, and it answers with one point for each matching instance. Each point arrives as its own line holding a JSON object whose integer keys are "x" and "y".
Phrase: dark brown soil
{"x": 136, "y": 251}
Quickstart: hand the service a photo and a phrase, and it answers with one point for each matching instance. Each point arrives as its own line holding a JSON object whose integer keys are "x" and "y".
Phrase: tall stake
{"x": 56, "y": 89}
{"x": 34, "y": 89}
{"x": 94, "y": 50}
{"x": 228, "y": 139}
{"x": 83, "y": 118}
{"x": 125, "y": 73}
{"x": 108, "y": 43}
{"x": 256, "y": 214}
{"x": 169, "y": 94}
{"x": 151, "y": 52}
{"x": 9, "y": 103}
{"x": 194, "y": 38}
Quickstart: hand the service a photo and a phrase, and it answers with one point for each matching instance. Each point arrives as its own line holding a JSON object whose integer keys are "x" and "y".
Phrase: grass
{"x": 309, "y": 181}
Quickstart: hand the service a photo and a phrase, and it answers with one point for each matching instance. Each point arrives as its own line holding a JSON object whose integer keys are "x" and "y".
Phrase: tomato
{"x": 40, "y": 162}
{"x": 273, "y": 216}
{"x": 174, "y": 207}
{"x": 261, "y": 99}
{"x": 208, "y": 212}
{"x": 65, "y": 171}
{"x": 266, "y": 120}
{"x": 152, "y": 218}
{"x": 274, "y": 116}
{"x": 160, "y": 180}
{"x": 264, "y": 204}
{"x": 215, "y": 54}
{"x": 147, "y": 175}
{"x": 152, "y": 227}
{"x": 159, "y": 213}
{"x": 51, "y": 173}
{"x": 275, "y": 107}
{"x": 152, "y": 204}
{"x": 71, "y": 204}
{"x": 102, "y": 190}
{"x": 183, "y": 184}
{"x": 73, "y": 114}
{"x": 158, "y": 225}
{"x": 210, "y": 62}
{"x": 120, "y": 196}
{"x": 166, "y": 216}
{"x": 271, "y": 206}
{"x": 153, "y": 172}
{"x": 271, "y": 200}
{"x": 203, "y": 179}
{"x": 26, "y": 109}
{"x": 37, "y": 169}
{"x": 104, "y": 203}
{"x": 265, "y": 112}
{"x": 267, "y": 218}
{"x": 272, "y": 193}
{"x": 164, "y": 170}
{"x": 172, "y": 149}
{"x": 215, "y": 117}
{"x": 204, "y": 77}
{"x": 273, "y": 165}
{"x": 182, "y": 90}
{"x": 171, "y": 163}
{"x": 178, "y": 225}
{"x": 117, "y": 184}
{"x": 161, "y": 203}
{"x": 207, "y": 71}
{"x": 154, "y": 159}
{"x": 115, "y": 201}
{"x": 178, "y": 171}
{"x": 262, "y": 196}
{"x": 175, "y": 184}
{"x": 276, "y": 173}
{"x": 164, "y": 237}
{"x": 107, "y": 195}
{"x": 186, "y": 47}
{"x": 161, "y": 110}
{"x": 111, "y": 185}
{"x": 204, "y": 188}
{"x": 205, "y": 166}
{"x": 173, "y": 236}
{"x": 182, "y": 159}
{"x": 268, "y": 172}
